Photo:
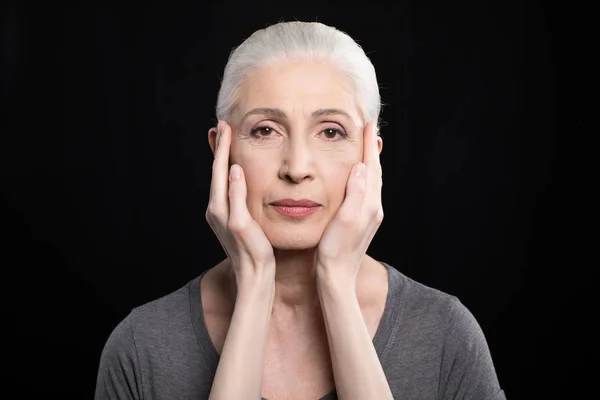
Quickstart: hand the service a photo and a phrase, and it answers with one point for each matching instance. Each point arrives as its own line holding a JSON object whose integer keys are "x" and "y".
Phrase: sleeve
{"x": 467, "y": 370}
{"x": 118, "y": 372}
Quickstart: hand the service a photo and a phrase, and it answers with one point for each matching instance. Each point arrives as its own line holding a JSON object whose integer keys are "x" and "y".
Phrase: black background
{"x": 106, "y": 170}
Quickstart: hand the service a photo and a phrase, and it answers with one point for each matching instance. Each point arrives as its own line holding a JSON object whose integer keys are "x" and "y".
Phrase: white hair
{"x": 308, "y": 41}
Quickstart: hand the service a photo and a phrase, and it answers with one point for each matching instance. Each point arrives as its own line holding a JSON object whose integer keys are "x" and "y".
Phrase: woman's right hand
{"x": 241, "y": 363}
{"x": 243, "y": 240}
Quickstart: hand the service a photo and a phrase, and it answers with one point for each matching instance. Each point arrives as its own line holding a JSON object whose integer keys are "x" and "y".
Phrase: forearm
{"x": 356, "y": 366}
{"x": 241, "y": 365}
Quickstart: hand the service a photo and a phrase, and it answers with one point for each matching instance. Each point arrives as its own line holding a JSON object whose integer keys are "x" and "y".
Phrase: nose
{"x": 297, "y": 161}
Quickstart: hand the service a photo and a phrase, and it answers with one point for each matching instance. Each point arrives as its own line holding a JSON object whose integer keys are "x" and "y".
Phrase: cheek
{"x": 258, "y": 171}
{"x": 249, "y": 160}
{"x": 257, "y": 186}
{"x": 335, "y": 177}
{"x": 246, "y": 152}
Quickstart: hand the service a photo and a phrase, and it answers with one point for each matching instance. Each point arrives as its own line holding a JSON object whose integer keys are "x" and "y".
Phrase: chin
{"x": 293, "y": 237}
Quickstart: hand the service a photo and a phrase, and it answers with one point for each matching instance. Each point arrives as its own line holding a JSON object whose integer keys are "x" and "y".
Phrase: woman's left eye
{"x": 332, "y": 133}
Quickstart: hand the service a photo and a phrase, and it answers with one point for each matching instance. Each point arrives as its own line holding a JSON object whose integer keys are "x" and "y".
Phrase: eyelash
{"x": 254, "y": 133}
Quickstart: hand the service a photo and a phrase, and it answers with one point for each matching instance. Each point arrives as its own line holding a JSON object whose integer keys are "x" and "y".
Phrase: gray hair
{"x": 302, "y": 40}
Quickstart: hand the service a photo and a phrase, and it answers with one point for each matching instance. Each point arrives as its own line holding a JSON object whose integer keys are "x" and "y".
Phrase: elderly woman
{"x": 298, "y": 310}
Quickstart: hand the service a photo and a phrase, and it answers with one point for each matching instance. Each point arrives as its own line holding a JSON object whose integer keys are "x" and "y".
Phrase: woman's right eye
{"x": 262, "y": 132}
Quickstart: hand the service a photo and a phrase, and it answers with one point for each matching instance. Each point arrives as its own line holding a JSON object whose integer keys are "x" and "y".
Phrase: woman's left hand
{"x": 348, "y": 235}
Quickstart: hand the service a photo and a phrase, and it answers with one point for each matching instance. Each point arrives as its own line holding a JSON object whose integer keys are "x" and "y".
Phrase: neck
{"x": 295, "y": 279}
{"x": 296, "y": 302}
{"x": 296, "y": 292}
{"x": 295, "y": 282}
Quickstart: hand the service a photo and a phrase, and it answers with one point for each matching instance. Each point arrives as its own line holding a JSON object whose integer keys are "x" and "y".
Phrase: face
{"x": 297, "y": 132}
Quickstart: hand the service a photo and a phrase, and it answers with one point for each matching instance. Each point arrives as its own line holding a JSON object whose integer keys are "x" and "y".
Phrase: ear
{"x": 379, "y": 144}
{"x": 212, "y": 139}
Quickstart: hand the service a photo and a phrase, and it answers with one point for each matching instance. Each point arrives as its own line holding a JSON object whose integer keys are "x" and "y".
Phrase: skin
{"x": 316, "y": 279}
{"x": 297, "y": 160}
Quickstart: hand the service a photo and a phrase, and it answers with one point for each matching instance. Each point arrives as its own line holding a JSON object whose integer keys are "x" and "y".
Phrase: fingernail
{"x": 235, "y": 172}
{"x": 360, "y": 170}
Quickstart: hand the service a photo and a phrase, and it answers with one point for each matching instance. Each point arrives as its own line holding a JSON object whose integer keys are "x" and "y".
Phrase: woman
{"x": 298, "y": 310}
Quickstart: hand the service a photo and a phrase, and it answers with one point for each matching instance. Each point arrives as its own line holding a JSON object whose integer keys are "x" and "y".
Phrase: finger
{"x": 239, "y": 216}
{"x": 371, "y": 157}
{"x": 219, "y": 182}
{"x": 355, "y": 193}
{"x": 367, "y": 144}
{"x": 370, "y": 150}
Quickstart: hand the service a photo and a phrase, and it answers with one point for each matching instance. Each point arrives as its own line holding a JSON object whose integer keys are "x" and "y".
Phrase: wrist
{"x": 250, "y": 280}
{"x": 329, "y": 279}
{"x": 255, "y": 291}
{"x": 333, "y": 287}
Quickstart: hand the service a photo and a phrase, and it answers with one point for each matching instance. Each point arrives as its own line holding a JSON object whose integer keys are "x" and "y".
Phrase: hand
{"x": 348, "y": 235}
{"x": 243, "y": 240}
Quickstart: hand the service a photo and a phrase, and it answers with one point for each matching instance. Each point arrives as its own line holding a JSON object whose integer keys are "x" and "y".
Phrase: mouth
{"x": 296, "y": 208}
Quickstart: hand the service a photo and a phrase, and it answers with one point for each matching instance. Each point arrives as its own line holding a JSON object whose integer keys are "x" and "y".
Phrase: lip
{"x": 296, "y": 208}
{"x": 305, "y": 203}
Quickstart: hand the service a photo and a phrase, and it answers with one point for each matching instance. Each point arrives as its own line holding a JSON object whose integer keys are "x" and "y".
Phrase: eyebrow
{"x": 277, "y": 113}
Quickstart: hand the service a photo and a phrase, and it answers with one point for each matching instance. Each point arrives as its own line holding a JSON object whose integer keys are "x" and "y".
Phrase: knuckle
{"x": 236, "y": 226}
{"x": 374, "y": 210}
{"x": 212, "y": 211}
{"x": 379, "y": 215}
{"x": 208, "y": 215}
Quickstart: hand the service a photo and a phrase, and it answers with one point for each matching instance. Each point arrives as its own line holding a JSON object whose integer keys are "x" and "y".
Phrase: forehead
{"x": 298, "y": 86}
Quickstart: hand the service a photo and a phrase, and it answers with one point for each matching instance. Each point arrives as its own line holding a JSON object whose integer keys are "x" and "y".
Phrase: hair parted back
{"x": 306, "y": 41}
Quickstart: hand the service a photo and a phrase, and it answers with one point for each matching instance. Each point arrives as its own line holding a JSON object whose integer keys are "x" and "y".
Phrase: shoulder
{"x": 152, "y": 317}
{"x": 166, "y": 324}
{"x": 158, "y": 336}
{"x": 153, "y": 323}
{"x": 437, "y": 326}
{"x": 166, "y": 310}
{"x": 434, "y": 304}
{"x": 418, "y": 300}
{"x": 423, "y": 317}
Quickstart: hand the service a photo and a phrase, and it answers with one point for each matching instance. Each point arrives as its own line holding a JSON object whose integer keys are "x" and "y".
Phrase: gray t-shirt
{"x": 429, "y": 345}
